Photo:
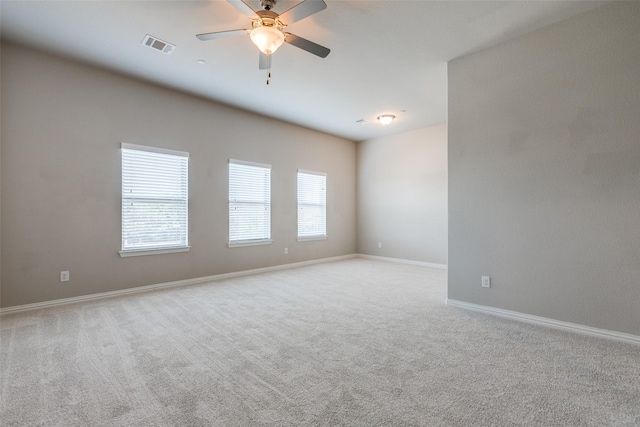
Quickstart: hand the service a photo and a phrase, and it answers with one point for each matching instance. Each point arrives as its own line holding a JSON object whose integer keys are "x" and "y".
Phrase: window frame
{"x": 251, "y": 241}
{"x": 183, "y": 203}
{"x": 299, "y": 205}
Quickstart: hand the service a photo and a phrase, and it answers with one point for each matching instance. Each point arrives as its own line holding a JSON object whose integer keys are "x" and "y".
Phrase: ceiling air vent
{"x": 157, "y": 44}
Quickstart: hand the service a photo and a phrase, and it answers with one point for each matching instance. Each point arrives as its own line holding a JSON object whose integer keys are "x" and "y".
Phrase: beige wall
{"x": 544, "y": 172}
{"x": 62, "y": 125}
{"x": 0, "y": 178}
{"x": 402, "y": 196}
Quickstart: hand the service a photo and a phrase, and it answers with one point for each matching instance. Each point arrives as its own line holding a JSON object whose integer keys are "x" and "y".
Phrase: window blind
{"x": 154, "y": 198}
{"x": 249, "y": 202}
{"x": 312, "y": 204}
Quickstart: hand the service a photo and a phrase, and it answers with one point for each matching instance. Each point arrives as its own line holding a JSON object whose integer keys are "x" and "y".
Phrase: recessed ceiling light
{"x": 201, "y": 61}
{"x": 362, "y": 121}
{"x": 385, "y": 119}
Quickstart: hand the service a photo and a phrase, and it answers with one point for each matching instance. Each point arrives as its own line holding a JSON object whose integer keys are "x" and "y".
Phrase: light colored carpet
{"x": 349, "y": 343}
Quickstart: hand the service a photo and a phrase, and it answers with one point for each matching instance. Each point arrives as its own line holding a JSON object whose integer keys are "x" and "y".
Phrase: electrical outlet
{"x": 486, "y": 281}
{"x": 286, "y": 251}
{"x": 379, "y": 244}
{"x": 64, "y": 276}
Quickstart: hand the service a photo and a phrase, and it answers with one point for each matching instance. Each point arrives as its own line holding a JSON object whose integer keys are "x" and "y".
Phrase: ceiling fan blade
{"x": 265, "y": 61}
{"x": 242, "y": 7}
{"x": 307, "y": 45}
{"x": 222, "y": 34}
{"x": 302, "y": 10}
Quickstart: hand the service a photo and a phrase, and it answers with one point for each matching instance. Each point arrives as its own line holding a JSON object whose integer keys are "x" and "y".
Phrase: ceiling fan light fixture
{"x": 386, "y": 119}
{"x": 267, "y": 39}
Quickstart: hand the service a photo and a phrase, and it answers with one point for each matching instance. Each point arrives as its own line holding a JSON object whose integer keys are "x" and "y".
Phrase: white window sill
{"x": 128, "y": 253}
{"x": 310, "y": 238}
{"x": 242, "y": 243}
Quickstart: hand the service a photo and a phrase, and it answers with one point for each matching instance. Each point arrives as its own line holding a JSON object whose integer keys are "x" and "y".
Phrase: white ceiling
{"x": 386, "y": 56}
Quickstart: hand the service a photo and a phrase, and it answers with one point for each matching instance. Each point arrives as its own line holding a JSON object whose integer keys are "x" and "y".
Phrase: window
{"x": 249, "y": 203}
{"x": 154, "y": 200}
{"x": 312, "y": 205}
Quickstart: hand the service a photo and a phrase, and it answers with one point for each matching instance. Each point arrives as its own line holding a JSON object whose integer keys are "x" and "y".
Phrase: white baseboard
{"x": 147, "y": 288}
{"x": 403, "y": 261}
{"x": 551, "y": 323}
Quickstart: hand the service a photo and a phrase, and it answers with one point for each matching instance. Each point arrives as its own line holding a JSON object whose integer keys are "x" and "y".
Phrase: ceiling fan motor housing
{"x": 266, "y": 18}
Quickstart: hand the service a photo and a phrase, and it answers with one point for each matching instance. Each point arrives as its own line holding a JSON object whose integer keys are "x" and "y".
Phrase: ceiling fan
{"x": 267, "y": 28}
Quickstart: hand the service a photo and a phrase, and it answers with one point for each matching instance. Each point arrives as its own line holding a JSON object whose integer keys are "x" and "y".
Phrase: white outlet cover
{"x": 486, "y": 281}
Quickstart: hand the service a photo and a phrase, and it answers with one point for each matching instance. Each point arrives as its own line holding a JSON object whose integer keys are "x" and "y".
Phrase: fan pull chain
{"x": 268, "y": 75}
